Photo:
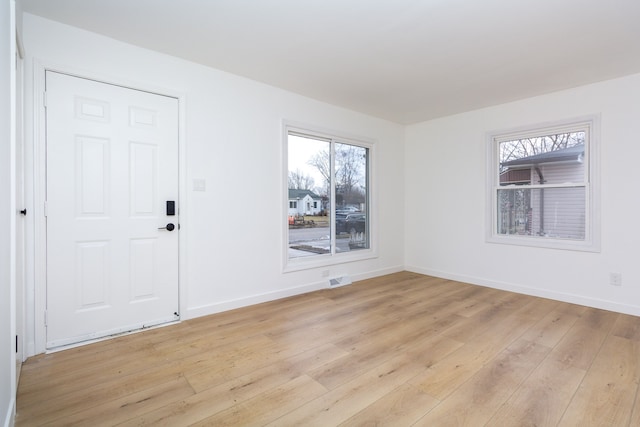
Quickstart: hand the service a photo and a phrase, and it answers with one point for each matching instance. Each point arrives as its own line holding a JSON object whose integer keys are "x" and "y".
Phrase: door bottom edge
{"x": 61, "y": 345}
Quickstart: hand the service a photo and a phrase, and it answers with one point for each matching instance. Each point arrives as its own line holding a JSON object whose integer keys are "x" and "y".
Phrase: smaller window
{"x": 293, "y": 205}
{"x": 542, "y": 190}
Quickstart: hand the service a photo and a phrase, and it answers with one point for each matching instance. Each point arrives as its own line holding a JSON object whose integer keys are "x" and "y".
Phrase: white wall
{"x": 233, "y": 140}
{"x": 445, "y": 210}
{"x": 7, "y": 213}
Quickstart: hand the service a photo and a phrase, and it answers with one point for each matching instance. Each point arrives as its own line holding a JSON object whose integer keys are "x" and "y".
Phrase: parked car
{"x": 350, "y": 223}
{"x": 349, "y": 209}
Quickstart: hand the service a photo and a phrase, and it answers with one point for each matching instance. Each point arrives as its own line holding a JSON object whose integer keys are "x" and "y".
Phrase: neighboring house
{"x": 304, "y": 202}
{"x": 554, "y": 212}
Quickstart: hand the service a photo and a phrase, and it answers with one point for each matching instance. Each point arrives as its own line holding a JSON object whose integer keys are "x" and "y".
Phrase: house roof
{"x": 574, "y": 153}
{"x": 300, "y": 194}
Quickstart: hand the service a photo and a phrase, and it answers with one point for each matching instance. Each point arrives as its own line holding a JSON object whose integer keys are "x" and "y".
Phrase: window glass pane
{"x": 557, "y": 213}
{"x": 309, "y": 183}
{"x": 549, "y": 159}
{"x": 351, "y": 207}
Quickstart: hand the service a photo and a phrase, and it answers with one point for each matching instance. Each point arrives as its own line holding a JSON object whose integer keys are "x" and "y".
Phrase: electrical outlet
{"x": 615, "y": 279}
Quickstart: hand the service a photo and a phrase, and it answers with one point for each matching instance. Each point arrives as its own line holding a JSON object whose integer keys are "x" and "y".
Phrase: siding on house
{"x": 563, "y": 208}
{"x": 563, "y": 212}
{"x": 515, "y": 176}
{"x": 560, "y": 173}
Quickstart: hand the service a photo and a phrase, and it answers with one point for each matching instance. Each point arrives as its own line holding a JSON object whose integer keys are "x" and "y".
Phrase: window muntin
{"x": 542, "y": 191}
{"x": 331, "y": 177}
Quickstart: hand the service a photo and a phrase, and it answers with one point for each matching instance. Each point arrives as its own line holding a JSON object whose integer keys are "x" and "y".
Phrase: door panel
{"x": 112, "y": 163}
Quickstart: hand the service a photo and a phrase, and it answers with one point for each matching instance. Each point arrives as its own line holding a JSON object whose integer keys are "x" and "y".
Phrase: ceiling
{"x": 402, "y": 60}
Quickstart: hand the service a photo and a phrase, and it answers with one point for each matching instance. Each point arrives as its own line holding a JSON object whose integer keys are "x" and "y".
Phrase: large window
{"x": 542, "y": 186}
{"x": 328, "y": 197}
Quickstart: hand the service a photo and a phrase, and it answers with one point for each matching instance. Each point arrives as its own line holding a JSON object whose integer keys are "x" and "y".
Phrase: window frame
{"x": 332, "y": 258}
{"x": 591, "y": 126}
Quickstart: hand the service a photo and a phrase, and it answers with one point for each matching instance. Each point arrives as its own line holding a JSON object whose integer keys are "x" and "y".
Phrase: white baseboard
{"x": 377, "y": 273}
{"x": 10, "y": 419}
{"x": 526, "y": 290}
{"x": 205, "y": 310}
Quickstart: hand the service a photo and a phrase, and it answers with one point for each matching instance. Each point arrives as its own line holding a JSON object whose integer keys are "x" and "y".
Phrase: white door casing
{"x": 20, "y": 246}
{"x": 111, "y": 165}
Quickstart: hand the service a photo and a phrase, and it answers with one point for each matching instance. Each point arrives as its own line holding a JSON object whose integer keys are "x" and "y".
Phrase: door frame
{"x": 37, "y": 310}
{"x": 21, "y": 239}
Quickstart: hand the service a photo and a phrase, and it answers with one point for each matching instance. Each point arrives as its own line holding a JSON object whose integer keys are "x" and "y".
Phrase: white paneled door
{"x": 112, "y": 173}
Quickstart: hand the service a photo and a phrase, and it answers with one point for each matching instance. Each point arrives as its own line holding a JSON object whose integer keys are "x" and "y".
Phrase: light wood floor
{"x": 398, "y": 350}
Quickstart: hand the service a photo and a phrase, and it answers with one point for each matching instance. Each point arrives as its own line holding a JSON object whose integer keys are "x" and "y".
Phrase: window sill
{"x": 316, "y": 261}
{"x": 545, "y": 242}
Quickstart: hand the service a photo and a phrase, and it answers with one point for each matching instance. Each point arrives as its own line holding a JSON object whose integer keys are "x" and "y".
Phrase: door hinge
{"x": 44, "y": 99}
{"x": 45, "y": 318}
{"x": 16, "y": 344}
{"x": 46, "y": 208}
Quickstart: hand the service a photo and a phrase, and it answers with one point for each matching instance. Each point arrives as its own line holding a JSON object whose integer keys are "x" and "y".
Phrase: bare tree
{"x": 350, "y": 171}
{"x": 521, "y": 148}
{"x": 322, "y": 161}
{"x": 298, "y": 180}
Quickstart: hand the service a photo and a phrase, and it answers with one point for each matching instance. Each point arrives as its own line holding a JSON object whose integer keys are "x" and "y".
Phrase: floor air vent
{"x": 339, "y": 281}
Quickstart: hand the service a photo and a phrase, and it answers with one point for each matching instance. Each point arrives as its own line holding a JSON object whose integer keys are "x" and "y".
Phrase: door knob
{"x": 169, "y": 227}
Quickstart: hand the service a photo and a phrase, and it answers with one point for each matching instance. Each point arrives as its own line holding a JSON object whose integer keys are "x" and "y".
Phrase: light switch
{"x": 199, "y": 185}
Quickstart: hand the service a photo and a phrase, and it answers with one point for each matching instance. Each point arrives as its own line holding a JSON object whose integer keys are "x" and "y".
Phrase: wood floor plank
{"x": 340, "y": 321}
{"x": 113, "y": 412}
{"x": 447, "y": 375}
{"x": 600, "y": 320}
{"x": 579, "y": 346}
{"x": 267, "y": 406}
{"x": 95, "y": 370}
{"x": 63, "y": 367}
{"x": 606, "y": 395}
{"x": 237, "y": 390}
{"x": 469, "y": 307}
{"x": 627, "y": 326}
{"x": 635, "y": 415}
{"x": 401, "y": 407}
{"x": 551, "y": 328}
{"x": 375, "y": 351}
{"x": 487, "y": 319}
{"x": 342, "y": 403}
{"x": 477, "y": 400}
{"x": 543, "y": 398}
{"x": 211, "y": 370}
{"x": 573, "y": 309}
{"x": 419, "y": 305}
{"x": 52, "y": 405}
